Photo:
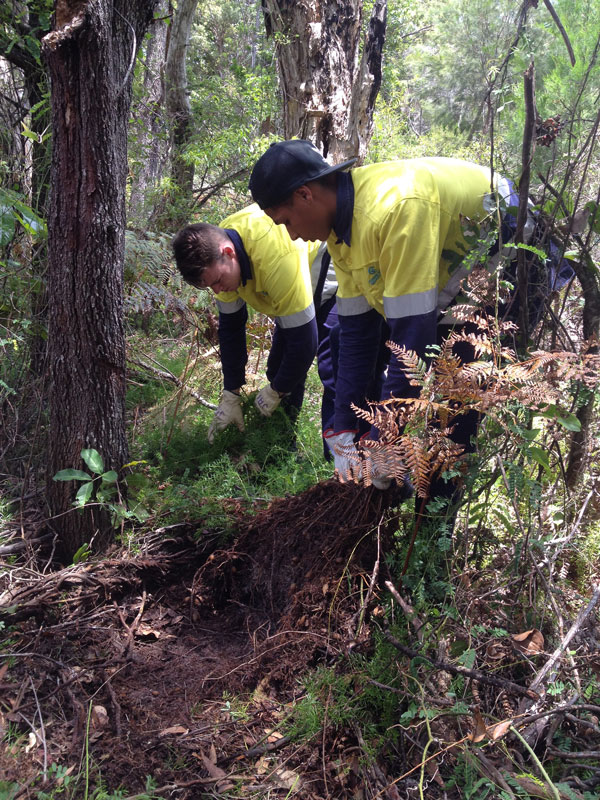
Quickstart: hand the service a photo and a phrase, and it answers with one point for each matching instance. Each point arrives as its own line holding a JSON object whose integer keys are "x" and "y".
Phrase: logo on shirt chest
{"x": 374, "y": 275}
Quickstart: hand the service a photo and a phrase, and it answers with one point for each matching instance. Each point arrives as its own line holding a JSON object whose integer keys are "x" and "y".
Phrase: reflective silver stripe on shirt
{"x": 352, "y": 306}
{"x": 451, "y": 289}
{"x": 231, "y": 307}
{"x": 409, "y": 305}
{"x": 297, "y": 319}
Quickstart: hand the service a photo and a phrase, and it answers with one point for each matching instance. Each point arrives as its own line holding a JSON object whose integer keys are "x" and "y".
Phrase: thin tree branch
{"x": 526, "y": 156}
{"x": 474, "y": 674}
{"x": 563, "y": 32}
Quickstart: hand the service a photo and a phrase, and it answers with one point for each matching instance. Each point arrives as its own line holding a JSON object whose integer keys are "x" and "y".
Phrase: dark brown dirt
{"x": 184, "y": 663}
{"x": 179, "y": 663}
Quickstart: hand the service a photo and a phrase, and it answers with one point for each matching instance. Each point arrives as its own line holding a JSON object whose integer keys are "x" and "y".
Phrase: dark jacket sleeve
{"x": 232, "y": 341}
{"x": 414, "y": 333}
{"x": 359, "y": 346}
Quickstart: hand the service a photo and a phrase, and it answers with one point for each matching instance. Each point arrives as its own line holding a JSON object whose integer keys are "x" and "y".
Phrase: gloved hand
{"x": 379, "y": 470}
{"x": 267, "y": 400}
{"x": 385, "y": 468}
{"x": 346, "y": 457}
{"x": 380, "y": 476}
{"x": 229, "y": 411}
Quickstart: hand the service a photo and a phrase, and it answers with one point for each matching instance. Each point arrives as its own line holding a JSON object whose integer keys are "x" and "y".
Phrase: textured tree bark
{"x": 149, "y": 124}
{"x": 178, "y": 106}
{"x": 90, "y": 56}
{"x": 329, "y": 91}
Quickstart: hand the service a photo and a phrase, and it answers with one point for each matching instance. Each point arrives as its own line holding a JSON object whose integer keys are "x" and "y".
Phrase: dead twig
{"x": 581, "y": 618}
{"x": 115, "y": 703}
{"x": 131, "y": 629}
{"x": 408, "y": 610}
{"x": 474, "y": 674}
{"x": 42, "y": 729}
{"x": 359, "y": 616}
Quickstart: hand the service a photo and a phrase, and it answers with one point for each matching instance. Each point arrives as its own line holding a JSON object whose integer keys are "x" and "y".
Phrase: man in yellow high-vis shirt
{"x": 247, "y": 260}
{"x": 394, "y": 232}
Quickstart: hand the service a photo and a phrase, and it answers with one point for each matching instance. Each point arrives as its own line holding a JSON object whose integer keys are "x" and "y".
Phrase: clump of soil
{"x": 143, "y": 660}
{"x": 184, "y": 663}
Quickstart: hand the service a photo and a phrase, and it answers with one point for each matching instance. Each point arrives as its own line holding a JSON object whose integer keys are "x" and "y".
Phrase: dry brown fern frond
{"x": 483, "y": 288}
{"x": 383, "y": 459}
{"x": 419, "y": 457}
{"x": 481, "y": 344}
{"x": 416, "y": 456}
{"x": 465, "y": 312}
{"x": 445, "y": 453}
{"x": 388, "y": 416}
{"x": 414, "y": 367}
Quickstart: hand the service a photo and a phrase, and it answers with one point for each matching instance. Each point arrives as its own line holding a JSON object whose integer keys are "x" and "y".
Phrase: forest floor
{"x": 177, "y": 672}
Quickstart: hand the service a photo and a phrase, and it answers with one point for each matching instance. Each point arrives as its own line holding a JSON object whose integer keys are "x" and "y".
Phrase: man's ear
{"x": 304, "y": 193}
{"x": 227, "y": 249}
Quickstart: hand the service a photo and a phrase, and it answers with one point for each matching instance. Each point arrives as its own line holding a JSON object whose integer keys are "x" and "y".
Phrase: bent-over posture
{"x": 394, "y": 232}
{"x": 249, "y": 261}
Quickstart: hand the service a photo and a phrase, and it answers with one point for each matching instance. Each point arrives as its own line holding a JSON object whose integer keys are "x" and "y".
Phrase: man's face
{"x": 223, "y": 275}
{"x": 305, "y": 217}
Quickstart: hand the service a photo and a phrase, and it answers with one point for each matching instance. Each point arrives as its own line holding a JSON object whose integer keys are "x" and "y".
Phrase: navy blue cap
{"x": 284, "y": 167}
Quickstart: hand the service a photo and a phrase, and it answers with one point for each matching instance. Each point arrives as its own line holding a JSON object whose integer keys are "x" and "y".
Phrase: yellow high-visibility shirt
{"x": 279, "y": 283}
{"x": 406, "y": 233}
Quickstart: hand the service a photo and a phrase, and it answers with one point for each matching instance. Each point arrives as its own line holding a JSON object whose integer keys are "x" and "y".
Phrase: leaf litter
{"x": 184, "y": 663}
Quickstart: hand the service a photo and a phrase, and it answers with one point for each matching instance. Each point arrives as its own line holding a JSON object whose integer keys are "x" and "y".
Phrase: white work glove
{"x": 379, "y": 470}
{"x": 229, "y": 411}
{"x": 267, "y": 400}
{"x": 346, "y": 457}
{"x": 380, "y": 477}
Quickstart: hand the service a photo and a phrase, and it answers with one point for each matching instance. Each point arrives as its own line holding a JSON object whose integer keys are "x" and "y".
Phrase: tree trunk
{"x": 90, "y": 55}
{"x": 178, "y": 106}
{"x": 149, "y": 123}
{"x": 329, "y": 93}
{"x": 579, "y": 449}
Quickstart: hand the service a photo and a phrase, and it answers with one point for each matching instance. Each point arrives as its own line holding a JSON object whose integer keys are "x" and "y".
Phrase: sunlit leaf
{"x": 94, "y": 460}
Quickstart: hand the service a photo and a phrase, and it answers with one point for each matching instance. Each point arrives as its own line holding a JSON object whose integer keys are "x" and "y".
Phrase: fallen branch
{"x": 408, "y": 610}
{"x": 22, "y": 544}
{"x": 581, "y": 618}
{"x": 570, "y": 755}
{"x": 474, "y": 674}
{"x": 258, "y": 750}
{"x": 168, "y": 376}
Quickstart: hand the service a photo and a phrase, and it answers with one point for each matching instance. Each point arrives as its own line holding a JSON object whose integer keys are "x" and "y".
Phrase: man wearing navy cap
{"x": 394, "y": 233}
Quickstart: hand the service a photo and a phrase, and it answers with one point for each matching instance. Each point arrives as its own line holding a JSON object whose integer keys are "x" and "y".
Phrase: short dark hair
{"x": 195, "y": 248}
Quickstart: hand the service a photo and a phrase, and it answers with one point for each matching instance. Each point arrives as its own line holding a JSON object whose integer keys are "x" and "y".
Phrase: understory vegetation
{"x": 257, "y": 629}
